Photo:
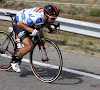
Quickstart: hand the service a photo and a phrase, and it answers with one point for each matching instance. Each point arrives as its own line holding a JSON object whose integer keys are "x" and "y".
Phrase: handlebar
{"x": 56, "y": 25}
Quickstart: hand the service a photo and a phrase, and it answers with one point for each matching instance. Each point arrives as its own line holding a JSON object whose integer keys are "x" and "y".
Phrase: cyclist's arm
{"x": 24, "y": 26}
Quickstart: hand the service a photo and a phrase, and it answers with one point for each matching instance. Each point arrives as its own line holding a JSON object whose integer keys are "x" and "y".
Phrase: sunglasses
{"x": 52, "y": 18}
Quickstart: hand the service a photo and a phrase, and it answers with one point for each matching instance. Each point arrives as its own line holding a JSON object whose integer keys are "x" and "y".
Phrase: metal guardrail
{"x": 68, "y": 25}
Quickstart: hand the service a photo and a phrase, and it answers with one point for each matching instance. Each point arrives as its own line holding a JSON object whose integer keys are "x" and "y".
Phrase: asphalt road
{"x": 10, "y": 80}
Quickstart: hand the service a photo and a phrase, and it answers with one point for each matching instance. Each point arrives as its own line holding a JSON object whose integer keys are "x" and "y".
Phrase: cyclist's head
{"x": 51, "y": 10}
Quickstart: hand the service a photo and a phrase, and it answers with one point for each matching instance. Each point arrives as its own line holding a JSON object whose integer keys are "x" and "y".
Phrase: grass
{"x": 95, "y": 12}
{"x": 73, "y": 10}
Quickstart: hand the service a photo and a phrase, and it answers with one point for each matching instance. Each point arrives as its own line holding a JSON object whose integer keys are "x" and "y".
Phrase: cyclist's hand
{"x": 34, "y": 32}
{"x": 37, "y": 33}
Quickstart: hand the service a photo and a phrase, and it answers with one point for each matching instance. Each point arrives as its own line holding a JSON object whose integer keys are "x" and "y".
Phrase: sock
{"x": 16, "y": 59}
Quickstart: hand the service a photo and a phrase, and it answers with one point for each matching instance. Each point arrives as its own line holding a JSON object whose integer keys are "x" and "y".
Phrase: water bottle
{"x": 19, "y": 44}
{"x": 10, "y": 29}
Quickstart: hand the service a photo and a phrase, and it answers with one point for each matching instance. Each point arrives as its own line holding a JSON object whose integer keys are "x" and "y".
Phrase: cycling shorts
{"x": 22, "y": 34}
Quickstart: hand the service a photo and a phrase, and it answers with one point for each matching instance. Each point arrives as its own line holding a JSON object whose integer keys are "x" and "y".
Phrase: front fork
{"x": 41, "y": 45}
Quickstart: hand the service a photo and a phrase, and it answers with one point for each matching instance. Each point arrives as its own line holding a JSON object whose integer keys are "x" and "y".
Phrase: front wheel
{"x": 46, "y": 60}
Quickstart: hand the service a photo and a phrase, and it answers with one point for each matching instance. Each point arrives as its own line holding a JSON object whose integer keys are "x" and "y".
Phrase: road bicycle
{"x": 45, "y": 58}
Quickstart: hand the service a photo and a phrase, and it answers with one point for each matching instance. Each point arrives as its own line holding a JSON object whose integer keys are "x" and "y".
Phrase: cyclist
{"x": 28, "y": 21}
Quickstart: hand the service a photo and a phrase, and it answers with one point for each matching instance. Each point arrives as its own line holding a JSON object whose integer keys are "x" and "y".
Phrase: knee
{"x": 29, "y": 47}
{"x": 28, "y": 44}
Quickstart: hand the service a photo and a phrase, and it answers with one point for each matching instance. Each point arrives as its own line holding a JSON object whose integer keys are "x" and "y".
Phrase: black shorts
{"x": 22, "y": 34}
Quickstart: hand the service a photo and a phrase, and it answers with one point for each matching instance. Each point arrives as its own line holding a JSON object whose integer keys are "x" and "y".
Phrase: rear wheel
{"x": 46, "y": 61}
{"x": 6, "y": 50}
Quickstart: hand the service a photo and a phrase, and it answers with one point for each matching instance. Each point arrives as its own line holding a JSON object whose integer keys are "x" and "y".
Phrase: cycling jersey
{"x": 31, "y": 16}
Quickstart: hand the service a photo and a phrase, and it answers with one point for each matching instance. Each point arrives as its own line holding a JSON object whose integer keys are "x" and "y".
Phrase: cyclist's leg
{"x": 24, "y": 37}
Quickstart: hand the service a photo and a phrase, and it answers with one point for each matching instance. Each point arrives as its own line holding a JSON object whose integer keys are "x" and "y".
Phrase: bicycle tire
{"x": 39, "y": 67}
{"x": 7, "y": 46}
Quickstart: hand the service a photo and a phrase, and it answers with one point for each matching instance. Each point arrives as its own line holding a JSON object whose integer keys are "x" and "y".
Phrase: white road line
{"x": 82, "y": 73}
{"x": 64, "y": 69}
